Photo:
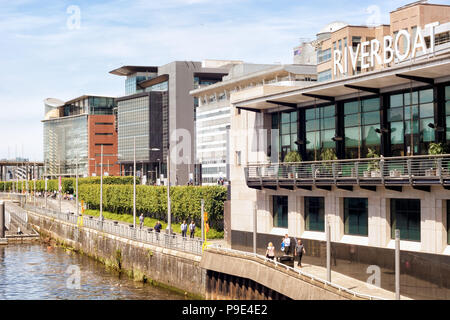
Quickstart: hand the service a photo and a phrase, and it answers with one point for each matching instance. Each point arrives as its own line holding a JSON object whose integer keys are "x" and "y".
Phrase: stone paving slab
{"x": 348, "y": 282}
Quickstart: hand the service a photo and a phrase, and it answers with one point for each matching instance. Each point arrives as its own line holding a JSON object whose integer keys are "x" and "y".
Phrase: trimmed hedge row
{"x": 67, "y": 184}
{"x": 152, "y": 201}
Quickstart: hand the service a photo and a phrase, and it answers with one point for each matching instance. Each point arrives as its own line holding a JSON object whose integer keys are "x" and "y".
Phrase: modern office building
{"x": 353, "y": 42}
{"x": 379, "y": 126}
{"x": 75, "y": 134}
{"x": 157, "y": 109}
{"x": 213, "y": 114}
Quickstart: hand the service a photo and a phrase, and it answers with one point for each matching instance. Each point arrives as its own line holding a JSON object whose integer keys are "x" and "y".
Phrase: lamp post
{"x": 134, "y": 177}
{"x": 169, "y": 215}
{"x": 101, "y": 183}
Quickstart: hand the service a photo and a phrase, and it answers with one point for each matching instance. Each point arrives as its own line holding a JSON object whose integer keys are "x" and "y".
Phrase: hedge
{"x": 152, "y": 201}
{"x": 67, "y": 184}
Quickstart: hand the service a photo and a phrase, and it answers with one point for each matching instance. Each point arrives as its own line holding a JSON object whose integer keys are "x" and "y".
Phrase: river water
{"x": 36, "y": 271}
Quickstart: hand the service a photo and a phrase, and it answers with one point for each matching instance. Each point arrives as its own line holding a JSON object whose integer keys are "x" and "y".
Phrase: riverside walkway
{"x": 352, "y": 287}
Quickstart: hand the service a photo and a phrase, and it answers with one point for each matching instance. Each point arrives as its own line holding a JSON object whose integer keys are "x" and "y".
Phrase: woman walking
{"x": 270, "y": 252}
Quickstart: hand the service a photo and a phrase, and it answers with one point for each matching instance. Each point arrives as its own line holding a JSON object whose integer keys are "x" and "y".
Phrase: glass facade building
{"x": 65, "y": 139}
{"x": 67, "y": 134}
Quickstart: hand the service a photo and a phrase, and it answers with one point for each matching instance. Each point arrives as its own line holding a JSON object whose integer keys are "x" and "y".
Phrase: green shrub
{"x": 152, "y": 201}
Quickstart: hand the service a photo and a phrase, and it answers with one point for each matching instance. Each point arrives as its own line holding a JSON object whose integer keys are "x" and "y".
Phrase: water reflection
{"x": 35, "y": 271}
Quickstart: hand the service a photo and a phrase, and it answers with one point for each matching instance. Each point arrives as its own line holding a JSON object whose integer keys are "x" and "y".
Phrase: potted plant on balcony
{"x": 434, "y": 149}
{"x": 373, "y": 168}
{"x": 292, "y": 157}
{"x": 328, "y": 155}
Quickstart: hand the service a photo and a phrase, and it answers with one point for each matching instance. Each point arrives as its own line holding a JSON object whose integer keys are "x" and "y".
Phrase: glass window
{"x": 355, "y": 216}
{"x": 415, "y": 98}
{"x": 371, "y": 104}
{"x": 426, "y": 96}
{"x": 351, "y": 107}
{"x": 426, "y": 110}
{"x": 360, "y": 127}
{"x": 324, "y": 75}
{"x": 447, "y": 93}
{"x": 395, "y": 114}
{"x": 397, "y": 135}
{"x": 371, "y": 117}
{"x": 280, "y": 212}
{"x": 405, "y": 216}
{"x": 288, "y": 134}
{"x": 396, "y": 100}
{"x": 320, "y": 129}
{"x": 314, "y": 214}
{"x": 422, "y": 109}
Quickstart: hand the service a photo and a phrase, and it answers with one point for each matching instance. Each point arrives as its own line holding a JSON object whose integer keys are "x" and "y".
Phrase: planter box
{"x": 375, "y": 174}
{"x": 394, "y": 173}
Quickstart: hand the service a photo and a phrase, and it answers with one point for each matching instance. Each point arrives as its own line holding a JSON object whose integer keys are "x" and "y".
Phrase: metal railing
{"x": 145, "y": 235}
{"x": 434, "y": 169}
{"x": 297, "y": 271}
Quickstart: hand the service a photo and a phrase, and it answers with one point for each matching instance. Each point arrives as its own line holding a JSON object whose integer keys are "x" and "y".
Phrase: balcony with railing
{"x": 419, "y": 172}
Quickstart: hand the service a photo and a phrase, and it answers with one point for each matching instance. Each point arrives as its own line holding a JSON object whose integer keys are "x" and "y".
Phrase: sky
{"x": 65, "y": 49}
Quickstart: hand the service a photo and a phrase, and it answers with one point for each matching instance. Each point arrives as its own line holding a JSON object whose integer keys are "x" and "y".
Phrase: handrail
{"x": 351, "y": 160}
{"x": 300, "y": 272}
{"x": 171, "y": 241}
{"x": 408, "y": 169}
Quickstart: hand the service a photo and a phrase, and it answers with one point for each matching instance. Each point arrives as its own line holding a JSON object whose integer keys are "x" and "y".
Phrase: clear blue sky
{"x": 43, "y": 55}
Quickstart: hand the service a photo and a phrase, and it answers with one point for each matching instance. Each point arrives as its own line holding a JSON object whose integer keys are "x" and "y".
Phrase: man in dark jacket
{"x": 158, "y": 227}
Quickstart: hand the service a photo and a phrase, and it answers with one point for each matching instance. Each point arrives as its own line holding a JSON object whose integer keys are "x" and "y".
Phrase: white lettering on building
{"x": 399, "y": 49}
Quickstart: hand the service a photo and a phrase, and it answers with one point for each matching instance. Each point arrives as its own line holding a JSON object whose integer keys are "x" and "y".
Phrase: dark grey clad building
{"x": 158, "y": 110}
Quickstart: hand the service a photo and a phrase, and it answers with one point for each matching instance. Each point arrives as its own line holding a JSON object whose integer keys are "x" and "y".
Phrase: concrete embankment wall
{"x": 169, "y": 268}
{"x": 291, "y": 286}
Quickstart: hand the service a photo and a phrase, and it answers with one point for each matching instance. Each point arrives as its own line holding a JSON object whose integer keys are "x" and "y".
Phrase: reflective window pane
{"x": 396, "y": 100}
{"x": 351, "y": 120}
{"x": 395, "y": 114}
{"x": 352, "y": 136}
{"x": 315, "y": 214}
{"x": 426, "y": 96}
{"x": 397, "y": 134}
{"x": 427, "y": 110}
{"x": 351, "y": 107}
{"x": 405, "y": 216}
{"x": 371, "y": 104}
{"x": 371, "y": 117}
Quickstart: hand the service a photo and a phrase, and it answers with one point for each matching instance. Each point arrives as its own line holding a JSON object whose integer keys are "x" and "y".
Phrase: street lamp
{"x": 134, "y": 177}
{"x": 101, "y": 181}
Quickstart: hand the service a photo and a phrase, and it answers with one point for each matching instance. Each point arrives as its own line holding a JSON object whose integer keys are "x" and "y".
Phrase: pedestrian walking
{"x": 158, "y": 226}
{"x": 287, "y": 244}
{"x": 191, "y": 229}
{"x": 184, "y": 229}
{"x": 299, "y": 251}
{"x": 141, "y": 220}
{"x": 270, "y": 252}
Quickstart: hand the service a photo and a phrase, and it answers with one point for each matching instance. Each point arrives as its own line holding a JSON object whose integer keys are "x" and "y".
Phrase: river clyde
{"x": 40, "y": 272}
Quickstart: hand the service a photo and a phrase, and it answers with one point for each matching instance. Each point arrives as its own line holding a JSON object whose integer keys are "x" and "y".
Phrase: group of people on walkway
{"x": 184, "y": 227}
{"x": 286, "y": 248}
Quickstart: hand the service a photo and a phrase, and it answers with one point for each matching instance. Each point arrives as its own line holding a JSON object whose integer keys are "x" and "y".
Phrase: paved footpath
{"x": 317, "y": 271}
